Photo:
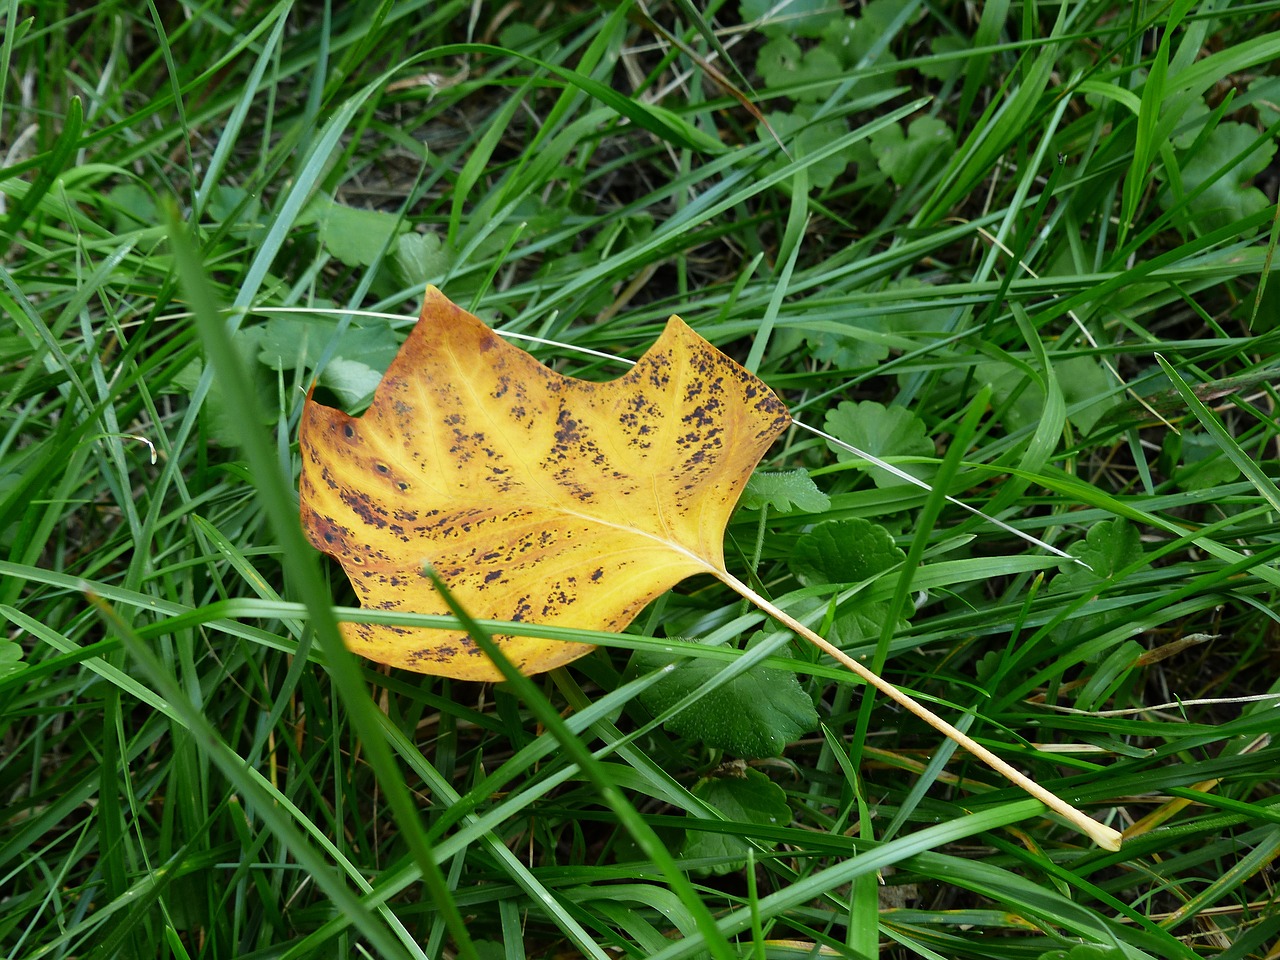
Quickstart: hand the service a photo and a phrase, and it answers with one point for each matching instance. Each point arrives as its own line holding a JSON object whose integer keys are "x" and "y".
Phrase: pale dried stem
{"x": 1102, "y": 835}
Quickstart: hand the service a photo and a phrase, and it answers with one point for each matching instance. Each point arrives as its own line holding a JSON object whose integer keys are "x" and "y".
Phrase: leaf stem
{"x": 1099, "y": 833}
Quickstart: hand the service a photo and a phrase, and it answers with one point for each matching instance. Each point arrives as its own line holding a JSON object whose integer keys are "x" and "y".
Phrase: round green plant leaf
{"x": 784, "y": 491}
{"x": 844, "y": 551}
{"x": 754, "y": 715}
{"x": 744, "y": 796}
{"x": 883, "y": 432}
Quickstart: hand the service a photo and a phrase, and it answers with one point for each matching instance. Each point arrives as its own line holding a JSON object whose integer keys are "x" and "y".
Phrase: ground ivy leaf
{"x": 940, "y": 46}
{"x": 1108, "y": 547}
{"x": 1264, "y": 94}
{"x": 356, "y": 237}
{"x": 853, "y": 41}
{"x": 10, "y": 658}
{"x": 901, "y": 156}
{"x": 1229, "y": 197}
{"x": 785, "y": 491}
{"x": 745, "y": 796}
{"x": 782, "y": 63}
{"x": 756, "y": 714}
{"x": 422, "y": 257}
{"x": 844, "y": 551}
{"x": 804, "y": 137}
{"x": 884, "y": 432}
{"x": 223, "y": 419}
{"x": 352, "y": 371}
{"x": 1203, "y": 466}
{"x": 858, "y": 621}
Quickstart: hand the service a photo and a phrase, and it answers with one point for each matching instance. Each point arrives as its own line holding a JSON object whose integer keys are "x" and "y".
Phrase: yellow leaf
{"x": 534, "y": 496}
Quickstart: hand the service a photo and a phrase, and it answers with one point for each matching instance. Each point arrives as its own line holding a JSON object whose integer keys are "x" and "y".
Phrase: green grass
{"x": 1036, "y": 239}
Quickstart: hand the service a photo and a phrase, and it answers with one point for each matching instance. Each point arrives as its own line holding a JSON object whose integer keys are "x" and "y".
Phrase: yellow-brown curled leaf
{"x": 535, "y": 497}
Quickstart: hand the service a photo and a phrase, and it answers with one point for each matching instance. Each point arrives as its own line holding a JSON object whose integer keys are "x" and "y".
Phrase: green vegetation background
{"x": 1019, "y": 250}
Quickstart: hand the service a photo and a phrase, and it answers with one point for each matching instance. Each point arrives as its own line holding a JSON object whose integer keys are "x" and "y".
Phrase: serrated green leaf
{"x": 131, "y": 206}
{"x": 856, "y": 622}
{"x": 853, "y": 40}
{"x": 1204, "y": 467}
{"x": 756, "y": 714}
{"x": 803, "y": 137}
{"x": 223, "y": 421}
{"x": 1229, "y": 197}
{"x": 844, "y": 551}
{"x": 944, "y": 70}
{"x": 782, "y": 63}
{"x": 927, "y": 141}
{"x": 1087, "y": 389}
{"x": 1264, "y": 94}
{"x": 785, "y": 491}
{"x": 1108, "y": 547}
{"x": 884, "y": 432}
{"x": 745, "y": 796}
{"x": 11, "y": 661}
{"x": 354, "y": 236}
{"x": 355, "y": 363}
{"x": 422, "y": 257}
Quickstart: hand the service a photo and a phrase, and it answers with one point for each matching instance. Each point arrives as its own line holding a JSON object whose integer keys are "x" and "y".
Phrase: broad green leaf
{"x": 781, "y": 63}
{"x": 756, "y": 714}
{"x": 11, "y": 661}
{"x": 844, "y": 551}
{"x": 1108, "y": 547}
{"x": 743, "y": 796}
{"x": 1229, "y": 196}
{"x": 223, "y": 418}
{"x": 1203, "y": 466}
{"x": 941, "y": 46}
{"x": 1089, "y": 391}
{"x": 804, "y": 137}
{"x": 421, "y": 257}
{"x": 884, "y": 432}
{"x": 784, "y": 491}
{"x": 356, "y": 237}
{"x": 927, "y": 141}
{"x": 1264, "y": 94}
{"x": 356, "y": 360}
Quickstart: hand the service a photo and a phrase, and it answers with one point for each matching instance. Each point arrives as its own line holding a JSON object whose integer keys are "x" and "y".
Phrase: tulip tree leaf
{"x": 534, "y": 496}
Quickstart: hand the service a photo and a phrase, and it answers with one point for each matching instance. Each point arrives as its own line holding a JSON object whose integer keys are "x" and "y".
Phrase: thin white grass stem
{"x": 903, "y": 475}
{"x": 1099, "y": 833}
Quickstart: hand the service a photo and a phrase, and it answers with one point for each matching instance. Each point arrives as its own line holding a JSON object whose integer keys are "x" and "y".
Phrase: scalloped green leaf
{"x": 11, "y": 661}
{"x": 902, "y": 155}
{"x": 884, "y": 432}
{"x": 1228, "y": 197}
{"x": 1108, "y": 547}
{"x": 744, "y": 796}
{"x": 784, "y": 491}
{"x": 803, "y": 137}
{"x": 844, "y": 551}
{"x": 756, "y": 714}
